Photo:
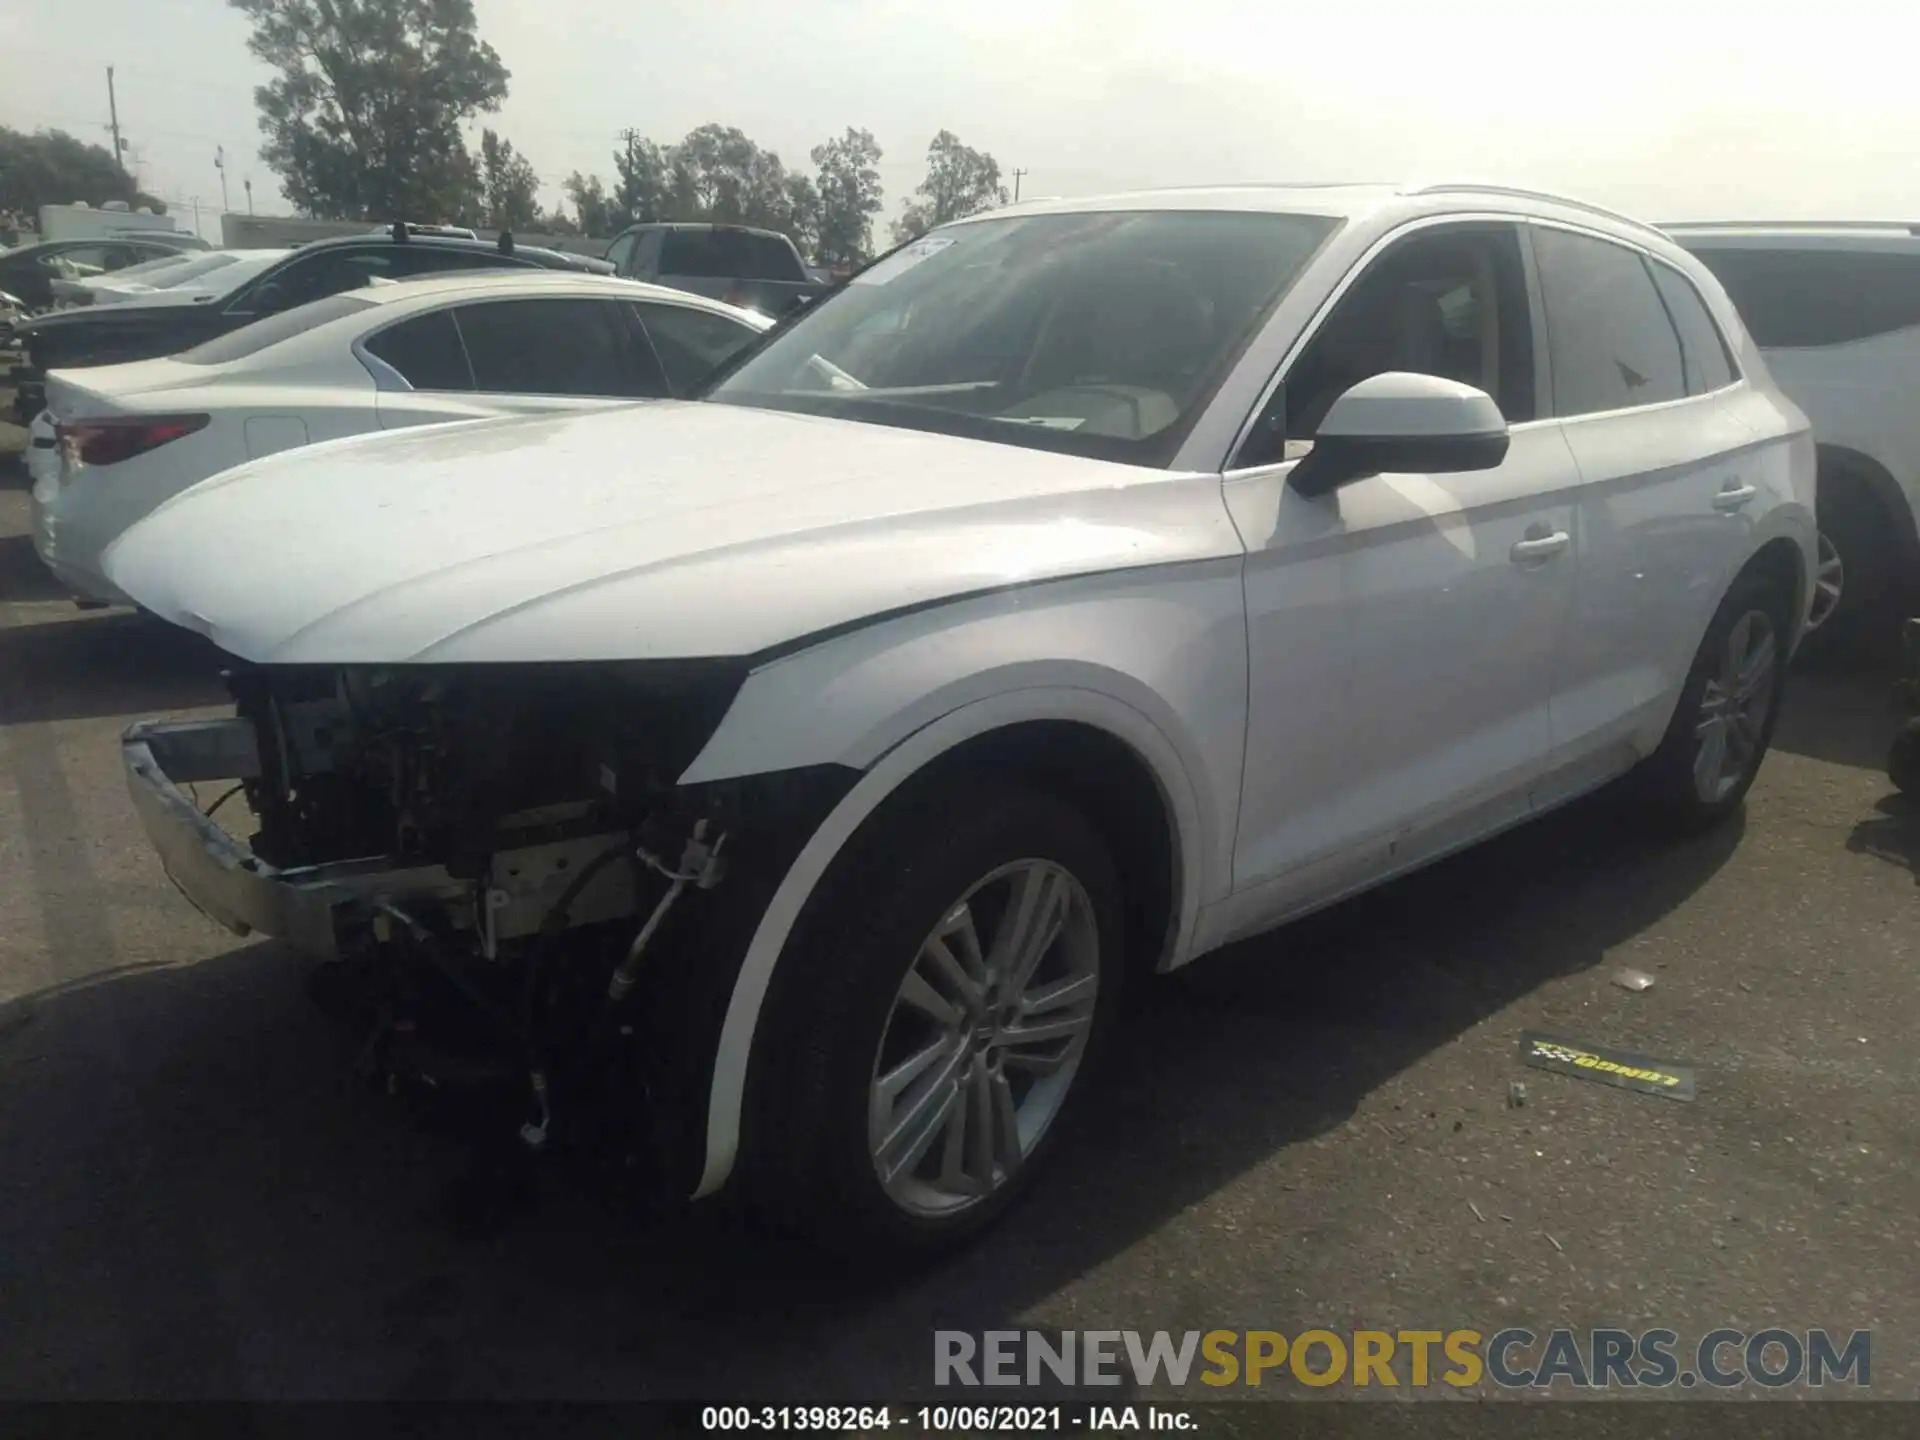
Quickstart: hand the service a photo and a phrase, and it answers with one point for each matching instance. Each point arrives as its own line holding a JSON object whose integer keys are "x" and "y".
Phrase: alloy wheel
{"x": 984, "y": 1038}
{"x": 1828, "y": 581}
{"x": 1735, "y": 706}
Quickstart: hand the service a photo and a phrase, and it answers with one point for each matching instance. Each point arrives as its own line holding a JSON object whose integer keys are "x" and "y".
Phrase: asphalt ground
{"x": 1315, "y": 1130}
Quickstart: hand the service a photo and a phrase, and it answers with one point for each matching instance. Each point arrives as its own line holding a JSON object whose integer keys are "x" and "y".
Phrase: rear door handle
{"x": 1733, "y": 497}
{"x": 1540, "y": 547}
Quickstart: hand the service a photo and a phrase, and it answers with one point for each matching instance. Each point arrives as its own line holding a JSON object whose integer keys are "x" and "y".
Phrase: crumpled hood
{"x": 649, "y": 531}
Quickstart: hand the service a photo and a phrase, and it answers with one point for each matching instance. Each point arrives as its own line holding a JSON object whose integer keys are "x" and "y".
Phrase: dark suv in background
{"x": 116, "y": 334}
{"x": 753, "y": 269}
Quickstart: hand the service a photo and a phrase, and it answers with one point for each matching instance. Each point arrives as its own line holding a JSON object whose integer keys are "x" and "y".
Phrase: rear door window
{"x": 1800, "y": 299}
{"x": 723, "y": 254}
{"x": 439, "y": 259}
{"x": 690, "y": 343}
{"x": 1709, "y": 363}
{"x": 1611, "y": 343}
{"x": 314, "y": 276}
{"x": 559, "y": 347}
{"x": 426, "y": 352}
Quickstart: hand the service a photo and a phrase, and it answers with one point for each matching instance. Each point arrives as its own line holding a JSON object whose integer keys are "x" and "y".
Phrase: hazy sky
{"x": 1687, "y": 109}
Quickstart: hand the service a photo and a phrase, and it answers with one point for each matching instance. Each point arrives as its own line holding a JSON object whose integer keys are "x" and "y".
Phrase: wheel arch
{"x": 1055, "y": 736}
{"x": 1856, "y": 467}
{"x": 1781, "y": 559}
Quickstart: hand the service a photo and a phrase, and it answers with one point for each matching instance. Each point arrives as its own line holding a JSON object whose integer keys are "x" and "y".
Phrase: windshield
{"x": 1101, "y": 334}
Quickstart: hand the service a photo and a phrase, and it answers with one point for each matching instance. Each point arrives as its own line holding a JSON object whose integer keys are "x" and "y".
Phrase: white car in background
{"x": 458, "y": 346}
{"x": 202, "y": 275}
{"x": 1835, "y": 307}
{"x": 1080, "y": 588}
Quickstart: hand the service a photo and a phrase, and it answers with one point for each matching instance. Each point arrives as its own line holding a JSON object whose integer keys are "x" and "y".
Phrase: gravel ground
{"x": 1313, "y": 1130}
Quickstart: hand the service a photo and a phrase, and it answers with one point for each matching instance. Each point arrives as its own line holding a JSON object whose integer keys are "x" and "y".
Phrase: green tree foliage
{"x": 803, "y": 214}
{"x": 718, "y": 174}
{"x": 51, "y": 167}
{"x": 640, "y": 194}
{"x": 594, "y": 213}
{"x": 511, "y": 187}
{"x": 363, "y": 120}
{"x": 960, "y": 181}
{"x": 849, "y": 197}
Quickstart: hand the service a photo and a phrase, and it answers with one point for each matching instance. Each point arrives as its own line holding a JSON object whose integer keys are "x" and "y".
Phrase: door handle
{"x": 1540, "y": 547}
{"x": 1732, "y": 497}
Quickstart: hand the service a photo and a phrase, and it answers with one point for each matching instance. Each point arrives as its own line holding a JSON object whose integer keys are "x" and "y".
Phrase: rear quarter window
{"x": 1802, "y": 299}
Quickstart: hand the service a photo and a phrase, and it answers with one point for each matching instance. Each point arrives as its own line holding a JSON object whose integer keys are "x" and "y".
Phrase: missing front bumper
{"x": 323, "y": 910}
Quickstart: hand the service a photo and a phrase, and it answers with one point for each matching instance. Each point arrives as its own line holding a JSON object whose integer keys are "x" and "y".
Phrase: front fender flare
{"x": 727, "y": 1096}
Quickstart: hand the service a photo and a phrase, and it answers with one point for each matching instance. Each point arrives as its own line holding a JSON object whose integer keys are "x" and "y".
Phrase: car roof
{"x": 443, "y": 285}
{"x": 1855, "y": 235}
{"x": 445, "y": 242}
{"x": 1383, "y": 204}
{"x": 132, "y": 237}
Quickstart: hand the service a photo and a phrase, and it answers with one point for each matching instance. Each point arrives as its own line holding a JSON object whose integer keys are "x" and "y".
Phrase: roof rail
{"x": 1518, "y": 192}
{"x": 1903, "y": 227}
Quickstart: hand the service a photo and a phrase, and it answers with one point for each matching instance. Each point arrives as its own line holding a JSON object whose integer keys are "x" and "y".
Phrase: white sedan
{"x": 452, "y": 347}
{"x": 1081, "y": 588}
{"x": 212, "y": 274}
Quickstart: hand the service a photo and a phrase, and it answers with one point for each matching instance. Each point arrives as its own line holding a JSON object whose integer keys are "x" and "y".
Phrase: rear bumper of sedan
{"x": 75, "y": 565}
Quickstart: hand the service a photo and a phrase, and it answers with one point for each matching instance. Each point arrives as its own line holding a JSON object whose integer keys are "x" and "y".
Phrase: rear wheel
{"x": 1724, "y": 722}
{"x": 940, "y": 1020}
{"x": 1854, "y": 616}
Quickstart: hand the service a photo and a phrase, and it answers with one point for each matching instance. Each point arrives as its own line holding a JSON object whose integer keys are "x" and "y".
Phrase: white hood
{"x": 650, "y": 531}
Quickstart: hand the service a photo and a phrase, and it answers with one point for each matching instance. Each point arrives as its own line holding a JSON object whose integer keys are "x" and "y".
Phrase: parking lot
{"x": 1313, "y": 1130}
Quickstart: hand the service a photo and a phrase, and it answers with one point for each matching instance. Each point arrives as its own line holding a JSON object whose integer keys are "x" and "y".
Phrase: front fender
{"x": 1158, "y": 661}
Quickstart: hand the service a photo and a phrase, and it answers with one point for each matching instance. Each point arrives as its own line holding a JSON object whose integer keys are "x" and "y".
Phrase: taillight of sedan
{"x": 108, "y": 442}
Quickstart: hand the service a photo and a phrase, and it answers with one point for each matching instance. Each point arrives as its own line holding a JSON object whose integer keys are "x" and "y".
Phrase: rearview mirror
{"x": 1400, "y": 422}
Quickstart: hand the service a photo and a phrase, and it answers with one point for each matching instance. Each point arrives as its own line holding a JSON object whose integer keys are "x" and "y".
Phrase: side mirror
{"x": 269, "y": 299}
{"x": 1403, "y": 422}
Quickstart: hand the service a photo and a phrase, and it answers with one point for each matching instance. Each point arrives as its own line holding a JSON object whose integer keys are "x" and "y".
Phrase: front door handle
{"x": 1539, "y": 547}
{"x": 1733, "y": 497}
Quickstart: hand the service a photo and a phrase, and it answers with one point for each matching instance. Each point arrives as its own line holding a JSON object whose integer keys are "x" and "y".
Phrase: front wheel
{"x": 1724, "y": 722}
{"x": 941, "y": 1018}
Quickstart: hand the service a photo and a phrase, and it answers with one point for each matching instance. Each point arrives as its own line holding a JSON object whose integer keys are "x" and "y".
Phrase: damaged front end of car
{"x": 498, "y": 862}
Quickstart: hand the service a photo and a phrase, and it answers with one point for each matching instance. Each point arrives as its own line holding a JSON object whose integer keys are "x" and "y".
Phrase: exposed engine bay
{"x": 511, "y": 888}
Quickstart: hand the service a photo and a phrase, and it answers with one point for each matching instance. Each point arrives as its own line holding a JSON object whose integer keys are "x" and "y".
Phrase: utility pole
{"x": 248, "y": 184}
{"x": 1017, "y": 174}
{"x": 113, "y": 111}
{"x": 220, "y": 164}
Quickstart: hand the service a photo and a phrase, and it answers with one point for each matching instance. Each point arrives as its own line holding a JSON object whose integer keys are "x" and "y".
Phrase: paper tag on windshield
{"x": 903, "y": 260}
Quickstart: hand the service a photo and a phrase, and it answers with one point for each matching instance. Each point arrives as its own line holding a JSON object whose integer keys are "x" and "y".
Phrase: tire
{"x": 1903, "y": 760}
{"x": 1859, "y": 551}
{"x": 1673, "y": 796}
{"x": 842, "y": 1020}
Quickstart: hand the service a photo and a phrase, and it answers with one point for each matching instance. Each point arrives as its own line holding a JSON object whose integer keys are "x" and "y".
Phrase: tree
{"x": 591, "y": 206}
{"x": 51, "y": 167}
{"x": 511, "y": 187}
{"x": 849, "y": 187}
{"x": 716, "y": 173}
{"x": 960, "y": 181}
{"x": 364, "y": 119}
{"x": 556, "y": 222}
{"x": 803, "y": 214}
{"x": 641, "y": 192}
